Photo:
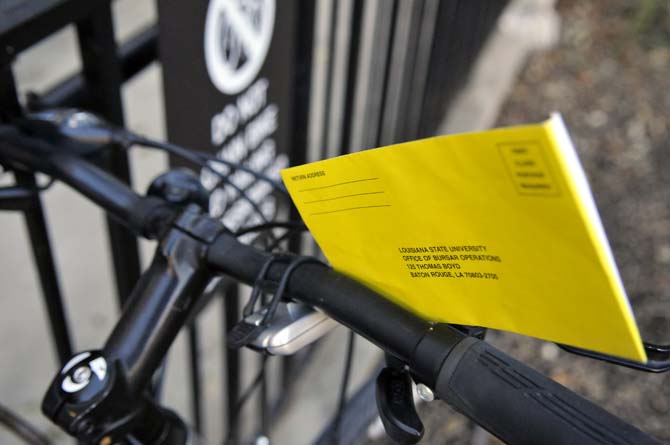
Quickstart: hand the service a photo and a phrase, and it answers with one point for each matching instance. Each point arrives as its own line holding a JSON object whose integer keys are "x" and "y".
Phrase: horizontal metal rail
{"x": 23, "y": 24}
{"x": 135, "y": 55}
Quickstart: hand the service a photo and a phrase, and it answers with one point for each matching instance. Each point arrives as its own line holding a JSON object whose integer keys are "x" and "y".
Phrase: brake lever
{"x": 395, "y": 403}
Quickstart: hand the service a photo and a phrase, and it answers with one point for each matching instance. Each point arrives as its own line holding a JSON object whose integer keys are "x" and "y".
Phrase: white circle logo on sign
{"x": 237, "y": 39}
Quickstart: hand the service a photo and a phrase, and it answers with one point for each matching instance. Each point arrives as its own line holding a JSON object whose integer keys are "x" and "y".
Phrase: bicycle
{"x": 107, "y": 396}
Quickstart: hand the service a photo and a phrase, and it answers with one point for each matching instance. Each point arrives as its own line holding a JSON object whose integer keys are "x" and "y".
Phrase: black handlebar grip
{"x": 521, "y": 406}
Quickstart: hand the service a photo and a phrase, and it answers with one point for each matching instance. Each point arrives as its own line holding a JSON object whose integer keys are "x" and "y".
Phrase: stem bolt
{"x": 425, "y": 393}
{"x": 81, "y": 374}
{"x": 262, "y": 440}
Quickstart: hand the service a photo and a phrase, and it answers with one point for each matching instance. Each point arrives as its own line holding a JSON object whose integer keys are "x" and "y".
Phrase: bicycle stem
{"x": 158, "y": 308}
{"x": 113, "y": 404}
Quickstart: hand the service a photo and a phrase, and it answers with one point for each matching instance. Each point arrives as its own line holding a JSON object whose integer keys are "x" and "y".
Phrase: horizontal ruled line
{"x": 341, "y": 197}
{"x": 339, "y": 183}
{"x": 349, "y": 208}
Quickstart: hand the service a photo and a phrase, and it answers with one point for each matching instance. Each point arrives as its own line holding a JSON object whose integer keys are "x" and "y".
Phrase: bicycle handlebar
{"x": 511, "y": 400}
{"x": 522, "y": 406}
{"x": 67, "y": 165}
{"x": 342, "y": 298}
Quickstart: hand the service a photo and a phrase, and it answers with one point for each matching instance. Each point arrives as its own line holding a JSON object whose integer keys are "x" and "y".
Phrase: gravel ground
{"x": 609, "y": 78}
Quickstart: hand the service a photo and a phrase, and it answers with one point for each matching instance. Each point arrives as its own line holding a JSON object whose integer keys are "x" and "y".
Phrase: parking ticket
{"x": 496, "y": 228}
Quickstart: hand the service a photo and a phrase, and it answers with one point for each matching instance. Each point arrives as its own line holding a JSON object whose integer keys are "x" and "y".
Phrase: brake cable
{"x": 658, "y": 357}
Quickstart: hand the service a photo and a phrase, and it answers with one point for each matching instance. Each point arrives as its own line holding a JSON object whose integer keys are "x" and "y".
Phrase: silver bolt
{"x": 425, "y": 393}
{"x": 262, "y": 440}
{"x": 81, "y": 374}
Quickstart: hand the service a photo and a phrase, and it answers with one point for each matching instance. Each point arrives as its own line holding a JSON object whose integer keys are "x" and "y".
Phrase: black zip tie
{"x": 283, "y": 284}
{"x": 244, "y": 333}
{"x": 260, "y": 281}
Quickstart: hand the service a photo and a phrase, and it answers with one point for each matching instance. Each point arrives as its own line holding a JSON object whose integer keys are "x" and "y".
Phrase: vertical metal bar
{"x": 303, "y": 81}
{"x": 196, "y": 374}
{"x": 354, "y": 46}
{"x": 421, "y": 65}
{"x": 320, "y": 68}
{"x": 339, "y": 77}
{"x": 9, "y": 103}
{"x": 344, "y": 386}
{"x": 232, "y": 370}
{"x": 301, "y": 99}
{"x": 288, "y": 365}
{"x": 302, "y": 94}
{"x": 408, "y": 89}
{"x": 378, "y": 123}
{"x": 265, "y": 404}
{"x": 46, "y": 269}
{"x": 363, "y": 83}
{"x": 39, "y": 237}
{"x": 401, "y": 63}
{"x": 375, "y": 47}
{"x": 103, "y": 76}
{"x": 325, "y": 130}
{"x": 262, "y": 406}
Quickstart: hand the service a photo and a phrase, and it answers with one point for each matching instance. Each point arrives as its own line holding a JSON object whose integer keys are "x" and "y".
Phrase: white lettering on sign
{"x": 244, "y": 131}
{"x": 247, "y": 105}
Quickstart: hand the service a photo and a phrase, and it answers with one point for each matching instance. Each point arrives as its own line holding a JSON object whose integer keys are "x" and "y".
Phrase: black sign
{"x": 229, "y": 70}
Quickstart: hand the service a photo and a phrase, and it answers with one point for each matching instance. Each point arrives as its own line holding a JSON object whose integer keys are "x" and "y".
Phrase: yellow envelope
{"x": 497, "y": 229}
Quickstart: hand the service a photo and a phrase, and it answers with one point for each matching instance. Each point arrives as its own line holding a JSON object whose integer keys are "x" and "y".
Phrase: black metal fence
{"x": 364, "y": 73}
